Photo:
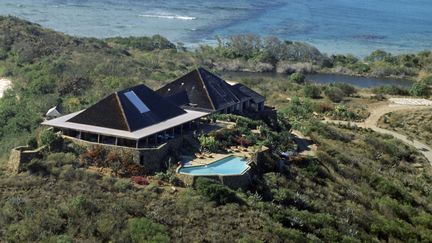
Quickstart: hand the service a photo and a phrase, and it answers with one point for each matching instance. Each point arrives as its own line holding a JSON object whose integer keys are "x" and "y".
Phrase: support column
{"x": 137, "y": 143}
{"x": 197, "y": 124}
{"x": 173, "y": 130}
{"x": 98, "y": 138}
{"x": 147, "y": 141}
{"x": 116, "y": 141}
{"x": 79, "y": 135}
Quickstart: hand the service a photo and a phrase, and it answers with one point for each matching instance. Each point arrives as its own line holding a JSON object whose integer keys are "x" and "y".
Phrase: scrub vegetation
{"x": 414, "y": 124}
{"x": 360, "y": 187}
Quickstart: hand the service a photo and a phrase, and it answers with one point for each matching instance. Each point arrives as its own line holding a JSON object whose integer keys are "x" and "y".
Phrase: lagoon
{"x": 324, "y": 78}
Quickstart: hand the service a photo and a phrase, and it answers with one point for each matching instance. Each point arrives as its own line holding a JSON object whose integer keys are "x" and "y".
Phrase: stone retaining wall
{"x": 232, "y": 181}
{"x": 20, "y": 156}
{"x": 150, "y": 159}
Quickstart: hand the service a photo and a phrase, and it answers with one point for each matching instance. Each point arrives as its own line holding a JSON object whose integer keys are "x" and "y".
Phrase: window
{"x": 137, "y": 102}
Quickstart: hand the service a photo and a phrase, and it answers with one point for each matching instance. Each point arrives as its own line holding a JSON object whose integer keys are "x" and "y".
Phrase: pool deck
{"x": 207, "y": 158}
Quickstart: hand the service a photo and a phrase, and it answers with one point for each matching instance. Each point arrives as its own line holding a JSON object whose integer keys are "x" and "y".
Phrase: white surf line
{"x": 163, "y": 16}
{"x": 4, "y": 85}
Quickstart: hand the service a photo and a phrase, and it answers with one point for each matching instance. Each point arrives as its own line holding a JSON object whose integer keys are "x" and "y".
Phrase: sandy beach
{"x": 4, "y": 85}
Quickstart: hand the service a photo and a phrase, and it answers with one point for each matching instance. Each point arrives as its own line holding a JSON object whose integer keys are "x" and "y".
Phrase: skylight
{"x": 136, "y": 101}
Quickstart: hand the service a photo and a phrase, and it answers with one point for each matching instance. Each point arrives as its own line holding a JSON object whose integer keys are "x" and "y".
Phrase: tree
{"x": 209, "y": 143}
{"x": 297, "y": 78}
{"x": 246, "y": 46}
{"x": 420, "y": 89}
{"x": 312, "y": 91}
{"x": 378, "y": 55}
{"x": 49, "y": 138}
{"x": 335, "y": 94}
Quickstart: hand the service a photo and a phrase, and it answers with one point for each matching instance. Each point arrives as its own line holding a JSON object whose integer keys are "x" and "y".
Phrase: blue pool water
{"x": 336, "y": 26}
{"x": 231, "y": 165}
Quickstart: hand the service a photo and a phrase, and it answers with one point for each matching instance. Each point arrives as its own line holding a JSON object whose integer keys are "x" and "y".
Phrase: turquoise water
{"x": 336, "y": 26}
{"x": 231, "y": 165}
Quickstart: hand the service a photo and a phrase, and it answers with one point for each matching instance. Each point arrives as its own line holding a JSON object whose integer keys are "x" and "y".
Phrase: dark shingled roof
{"x": 248, "y": 92}
{"x": 202, "y": 89}
{"x": 120, "y": 111}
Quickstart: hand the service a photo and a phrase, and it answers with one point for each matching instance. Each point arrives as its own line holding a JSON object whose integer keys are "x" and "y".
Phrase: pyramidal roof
{"x": 129, "y": 110}
{"x": 203, "y": 89}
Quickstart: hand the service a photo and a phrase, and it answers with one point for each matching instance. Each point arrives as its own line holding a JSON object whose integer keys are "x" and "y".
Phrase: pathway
{"x": 380, "y": 111}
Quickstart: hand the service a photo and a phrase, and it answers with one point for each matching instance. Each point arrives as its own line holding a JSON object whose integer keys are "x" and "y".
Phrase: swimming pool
{"x": 231, "y": 165}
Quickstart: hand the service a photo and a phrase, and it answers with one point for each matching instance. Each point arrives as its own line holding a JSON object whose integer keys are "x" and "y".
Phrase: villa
{"x": 205, "y": 91}
{"x": 144, "y": 120}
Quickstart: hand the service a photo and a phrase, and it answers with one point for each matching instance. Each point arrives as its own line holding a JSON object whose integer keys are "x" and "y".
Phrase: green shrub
{"x": 50, "y": 139}
{"x": 123, "y": 184}
{"x": 390, "y": 90}
{"x": 397, "y": 192}
{"x": 105, "y": 226}
{"x": 81, "y": 202}
{"x": 32, "y": 142}
{"x": 347, "y": 89}
{"x": 292, "y": 235}
{"x": 60, "y": 159}
{"x": 144, "y": 43}
{"x": 423, "y": 219}
{"x": 63, "y": 239}
{"x": 38, "y": 167}
{"x": 215, "y": 191}
{"x": 427, "y": 80}
{"x": 23, "y": 231}
{"x": 420, "y": 89}
{"x": 312, "y": 91}
{"x": 209, "y": 143}
{"x": 335, "y": 94}
{"x": 143, "y": 230}
{"x": 298, "y": 78}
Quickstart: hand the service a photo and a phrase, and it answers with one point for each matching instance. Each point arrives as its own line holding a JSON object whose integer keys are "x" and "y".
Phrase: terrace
{"x": 148, "y": 137}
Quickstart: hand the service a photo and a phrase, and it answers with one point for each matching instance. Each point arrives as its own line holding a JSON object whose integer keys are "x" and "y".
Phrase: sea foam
{"x": 164, "y": 16}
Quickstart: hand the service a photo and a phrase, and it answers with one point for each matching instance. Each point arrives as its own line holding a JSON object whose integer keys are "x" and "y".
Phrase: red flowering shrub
{"x": 140, "y": 180}
{"x": 325, "y": 107}
{"x": 242, "y": 141}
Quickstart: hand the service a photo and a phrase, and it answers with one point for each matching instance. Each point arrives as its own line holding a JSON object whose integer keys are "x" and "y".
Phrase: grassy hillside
{"x": 50, "y": 68}
{"x": 415, "y": 124}
{"x": 361, "y": 186}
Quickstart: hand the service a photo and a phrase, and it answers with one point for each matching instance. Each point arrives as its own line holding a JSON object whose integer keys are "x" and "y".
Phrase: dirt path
{"x": 305, "y": 144}
{"x": 380, "y": 111}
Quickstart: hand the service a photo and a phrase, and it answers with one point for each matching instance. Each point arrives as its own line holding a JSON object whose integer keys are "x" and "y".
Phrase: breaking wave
{"x": 165, "y": 16}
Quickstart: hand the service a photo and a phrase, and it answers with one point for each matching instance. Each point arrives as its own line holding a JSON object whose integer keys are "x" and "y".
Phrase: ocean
{"x": 334, "y": 26}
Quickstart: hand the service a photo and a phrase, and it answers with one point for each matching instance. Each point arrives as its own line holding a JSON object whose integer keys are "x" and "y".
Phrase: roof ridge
{"x": 229, "y": 87}
{"x": 122, "y": 111}
{"x": 205, "y": 88}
